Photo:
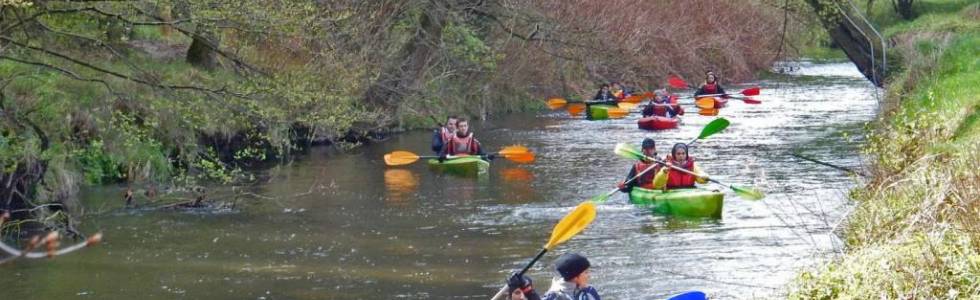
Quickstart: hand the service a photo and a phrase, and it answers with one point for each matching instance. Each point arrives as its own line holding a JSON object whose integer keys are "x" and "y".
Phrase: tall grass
{"x": 915, "y": 233}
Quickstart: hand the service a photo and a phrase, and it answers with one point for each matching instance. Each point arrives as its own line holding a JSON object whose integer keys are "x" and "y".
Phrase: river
{"x": 333, "y": 225}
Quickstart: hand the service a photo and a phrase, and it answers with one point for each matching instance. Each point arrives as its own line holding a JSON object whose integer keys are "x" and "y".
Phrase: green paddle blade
{"x": 599, "y": 198}
{"x": 628, "y": 151}
{"x": 747, "y": 193}
{"x": 715, "y": 126}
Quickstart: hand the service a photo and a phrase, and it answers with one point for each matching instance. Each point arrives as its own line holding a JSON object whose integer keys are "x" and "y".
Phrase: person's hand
{"x": 622, "y": 187}
{"x": 489, "y": 157}
{"x": 442, "y": 158}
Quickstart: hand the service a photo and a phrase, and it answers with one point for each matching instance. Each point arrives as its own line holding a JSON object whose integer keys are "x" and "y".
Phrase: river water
{"x": 335, "y": 225}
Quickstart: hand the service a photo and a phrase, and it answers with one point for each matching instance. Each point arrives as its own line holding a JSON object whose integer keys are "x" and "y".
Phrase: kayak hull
{"x": 599, "y": 110}
{"x": 657, "y": 123}
{"x": 463, "y": 166}
{"x": 720, "y": 102}
{"x": 696, "y": 202}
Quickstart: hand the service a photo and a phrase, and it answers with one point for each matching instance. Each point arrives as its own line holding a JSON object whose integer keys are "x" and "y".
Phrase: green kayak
{"x": 465, "y": 166}
{"x": 696, "y": 202}
{"x": 599, "y": 111}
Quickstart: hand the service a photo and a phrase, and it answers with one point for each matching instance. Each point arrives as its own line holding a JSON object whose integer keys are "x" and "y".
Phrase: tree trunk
{"x": 405, "y": 73}
{"x": 202, "y": 52}
{"x": 855, "y": 38}
{"x": 904, "y": 9}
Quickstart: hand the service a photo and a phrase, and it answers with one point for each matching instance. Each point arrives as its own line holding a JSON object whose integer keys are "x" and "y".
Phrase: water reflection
{"x": 401, "y": 185}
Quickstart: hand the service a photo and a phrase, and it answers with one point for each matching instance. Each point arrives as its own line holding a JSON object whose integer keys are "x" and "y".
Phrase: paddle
{"x": 630, "y": 151}
{"x": 679, "y": 83}
{"x": 692, "y": 295}
{"x": 570, "y": 225}
{"x": 747, "y": 100}
{"x": 713, "y": 127}
{"x": 517, "y": 154}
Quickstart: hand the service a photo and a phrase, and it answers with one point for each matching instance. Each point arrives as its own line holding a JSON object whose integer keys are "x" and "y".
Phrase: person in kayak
{"x": 710, "y": 86}
{"x": 604, "y": 94}
{"x": 660, "y": 106}
{"x": 443, "y": 134}
{"x": 463, "y": 143}
{"x": 668, "y": 178}
{"x": 521, "y": 288}
{"x": 573, "y": 284}
{"x": 645, "y": 181}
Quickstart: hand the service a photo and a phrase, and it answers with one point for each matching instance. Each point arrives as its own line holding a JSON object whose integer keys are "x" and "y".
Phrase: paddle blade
{"x": 398, "y": 158}
{"x": 599, "y": 198}
{"x": 752, "y": 91}
{"x": 708, "y": 112}
{"x": 576, "y": 109}
{"x": 572, "y": 224}
{"x": 556, "y": 103}
{"x": 626, "y": 105}
{"x": 626, "y": 150}
{"x": 694, "y": 295}
{"x": 617, "y": 113}
{"x": 747, "y": 193}
{"x": 677, "y": 82}
{"x": 633, "y": 99}
{"x": 748, "y": 100}
{"x": 705, "y": 103}
{"x": 715, "y": 126}
{"x": 518, "y": 154}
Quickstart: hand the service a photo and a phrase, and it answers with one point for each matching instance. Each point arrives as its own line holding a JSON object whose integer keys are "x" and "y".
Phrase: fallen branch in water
{"x": 845, "y": 169}
{"x": 51, "y": 243}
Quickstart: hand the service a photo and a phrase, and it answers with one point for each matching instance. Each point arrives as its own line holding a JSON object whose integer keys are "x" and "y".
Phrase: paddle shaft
{"x": 503, "y": 291}
{"x": 683, "y": 170}
{"x": 613, "y": 191}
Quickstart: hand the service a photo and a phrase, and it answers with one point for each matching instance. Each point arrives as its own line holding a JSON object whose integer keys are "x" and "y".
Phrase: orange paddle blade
{"x": 705, "y": 103}
{"x": 517, "y": 154}
{"x": 556, "y": 103}
{"x": 617, "y": 113}
{"x": 708, "y": 112}
{"x": 576, "y": 109}
{"x": 398, "y": 158}
{"x": 633, "y": 99}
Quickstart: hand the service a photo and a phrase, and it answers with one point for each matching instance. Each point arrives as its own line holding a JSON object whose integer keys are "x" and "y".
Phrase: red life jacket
{"x": 677, "y": 179}
{"x": 646, "y": 181}
{"x": 660, "y": 110}
{"x": 711, "y": 88}
{"x": 462, "y": 145}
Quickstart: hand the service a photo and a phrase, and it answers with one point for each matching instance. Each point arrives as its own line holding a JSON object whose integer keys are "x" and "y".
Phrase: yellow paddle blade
{"x": 398, "y": 158}
{"x": 556, "y": 103}
{"x": 708, "y": 112}
{"x": 576, "y": 109}
{"x": 705, "y": 103}
{"x": 633, "y": 99}
{"x": 617, "y": 113}
{"x": 572, "y": 224}
{"x": 626, "y": 105}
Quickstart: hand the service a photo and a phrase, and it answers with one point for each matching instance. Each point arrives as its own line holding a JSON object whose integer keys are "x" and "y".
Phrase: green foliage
{"x": 916, "y": 230}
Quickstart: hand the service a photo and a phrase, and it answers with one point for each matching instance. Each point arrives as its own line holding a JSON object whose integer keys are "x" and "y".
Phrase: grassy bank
{"x": 915, "y": 232}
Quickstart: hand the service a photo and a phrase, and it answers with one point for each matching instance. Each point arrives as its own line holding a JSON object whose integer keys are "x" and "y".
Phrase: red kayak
{"x": 657, "y": 123}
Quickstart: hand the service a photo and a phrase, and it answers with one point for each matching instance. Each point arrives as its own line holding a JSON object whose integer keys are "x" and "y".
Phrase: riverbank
{"x": 915, "y": 230}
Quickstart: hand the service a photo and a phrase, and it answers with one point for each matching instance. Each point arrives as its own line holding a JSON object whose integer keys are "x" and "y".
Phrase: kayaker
{"x": 573, "y": 282}
{"x": 521, "y": 288}
{"x": 443, "y": 134}
{"x": 617, "y": 91}
{"x": 660, "y": 106}
{"x": 669, "y": 178}
{"x": 645, "y": 181}
{"x": 710, "y": 86}
{"x": 463, "y": 143}
{"x": 604, "y": 94}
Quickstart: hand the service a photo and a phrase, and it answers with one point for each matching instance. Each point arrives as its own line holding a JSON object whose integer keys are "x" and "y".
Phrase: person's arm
{"x": 699, "y": 92}
{"x": 436, "y": 141}
{"x": 721, "y": 90}
{"x": 625, "y": 186}
{"x": 648, "y": 110}
{"x": 702, "y": 177}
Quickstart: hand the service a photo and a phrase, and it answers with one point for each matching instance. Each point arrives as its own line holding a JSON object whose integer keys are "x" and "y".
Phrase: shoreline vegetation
{"x": 915, "y": 230}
